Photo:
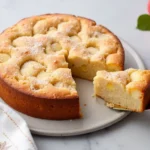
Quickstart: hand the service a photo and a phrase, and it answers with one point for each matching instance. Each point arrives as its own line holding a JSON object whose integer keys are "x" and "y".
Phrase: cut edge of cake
{"x": 129, "y": 89}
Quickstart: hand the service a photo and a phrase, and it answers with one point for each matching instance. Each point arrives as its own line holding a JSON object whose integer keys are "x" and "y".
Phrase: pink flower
{"x": 148, "y": 6}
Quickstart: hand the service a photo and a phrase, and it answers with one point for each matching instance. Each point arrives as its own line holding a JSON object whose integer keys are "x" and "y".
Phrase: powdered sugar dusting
{"x": 36, "y": 48}
{"x": 66, "y": 75}
{"x": 42, "y": 82}
{"x": 121, "y": 77}
{"x": 26, "y": 40}
{"x": 96, "y": 34}
{"x": 69, "y": 28}
{"x": 38, "y": 83}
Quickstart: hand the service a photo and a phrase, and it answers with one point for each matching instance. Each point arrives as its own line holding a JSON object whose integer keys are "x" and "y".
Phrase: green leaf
{"x": 143, "y": 22}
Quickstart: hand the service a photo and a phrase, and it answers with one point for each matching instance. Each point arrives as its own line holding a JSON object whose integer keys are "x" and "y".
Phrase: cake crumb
{"x": 94, "y": 96}
{"x": 84, "y": 104}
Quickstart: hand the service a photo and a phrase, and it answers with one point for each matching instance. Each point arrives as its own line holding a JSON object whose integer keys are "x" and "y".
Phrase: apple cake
{"x": 124, "y": 90}
{"x": 39, "y": 55}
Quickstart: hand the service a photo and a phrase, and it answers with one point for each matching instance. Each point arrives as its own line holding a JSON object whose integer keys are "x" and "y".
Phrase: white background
{"x": 119, "y": 16}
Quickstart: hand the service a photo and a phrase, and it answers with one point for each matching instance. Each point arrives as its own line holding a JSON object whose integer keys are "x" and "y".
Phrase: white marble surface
{"x": 120, "y": 16}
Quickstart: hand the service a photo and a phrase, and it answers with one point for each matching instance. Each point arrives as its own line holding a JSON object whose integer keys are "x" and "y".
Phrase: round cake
{"x": 40, "y": 54}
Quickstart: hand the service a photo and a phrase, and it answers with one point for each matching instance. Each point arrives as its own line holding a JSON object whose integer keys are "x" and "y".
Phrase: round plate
{"x": 96, "y": 115}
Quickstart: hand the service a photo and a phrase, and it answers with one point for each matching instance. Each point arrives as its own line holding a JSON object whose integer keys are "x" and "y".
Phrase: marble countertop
{"x": 119, "y": 16}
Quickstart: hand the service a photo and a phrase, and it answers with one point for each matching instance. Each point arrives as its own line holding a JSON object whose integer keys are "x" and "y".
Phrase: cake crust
{"x": 40, "y": 107}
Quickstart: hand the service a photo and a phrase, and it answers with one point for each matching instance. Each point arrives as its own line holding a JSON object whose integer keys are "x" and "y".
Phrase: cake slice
{"x": 127, "y": 90}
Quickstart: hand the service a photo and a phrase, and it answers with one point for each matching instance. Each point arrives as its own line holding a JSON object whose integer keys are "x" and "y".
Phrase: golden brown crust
{"x": 57, "y": 109}
{"x": 37, "y": 47}
{"x": 140, "y": 80}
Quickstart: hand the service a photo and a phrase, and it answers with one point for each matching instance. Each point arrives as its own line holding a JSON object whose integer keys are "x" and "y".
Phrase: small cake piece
{"x": 116, "y": 107}
{"x": 129, "y": 89}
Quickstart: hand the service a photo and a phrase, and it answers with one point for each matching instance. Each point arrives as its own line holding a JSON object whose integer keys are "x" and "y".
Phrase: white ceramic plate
{"x": 96, "y": 115}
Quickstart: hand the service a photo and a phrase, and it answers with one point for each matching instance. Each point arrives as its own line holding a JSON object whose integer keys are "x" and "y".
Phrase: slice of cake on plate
{"x": 127, "y": 90}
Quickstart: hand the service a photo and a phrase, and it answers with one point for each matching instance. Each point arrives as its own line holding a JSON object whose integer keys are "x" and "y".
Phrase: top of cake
{"x": 34, "y": 53}
{"x": 130, "y": 78}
